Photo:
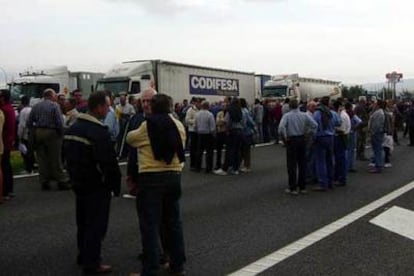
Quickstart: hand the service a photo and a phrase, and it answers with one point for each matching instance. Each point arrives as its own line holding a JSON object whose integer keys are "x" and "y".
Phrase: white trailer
{"x": 32, "y": 83}
{"x": 303, "y": 89}
{"x": 180, "y": 81}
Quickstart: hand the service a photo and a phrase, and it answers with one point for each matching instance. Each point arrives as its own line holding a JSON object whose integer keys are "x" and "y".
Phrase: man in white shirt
{"x": 192, "y": 133}
{"x": 124, "y": 112}
{"x": 340, "y": 145}
{"x": 23, "y": 134}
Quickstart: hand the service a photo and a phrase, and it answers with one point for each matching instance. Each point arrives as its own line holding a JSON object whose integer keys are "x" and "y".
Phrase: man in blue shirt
{"x": 293, "y": 128}
{"x": 327, "y": 120}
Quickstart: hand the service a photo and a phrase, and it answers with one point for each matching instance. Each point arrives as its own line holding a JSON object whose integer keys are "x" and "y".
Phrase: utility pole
{"x": 392, "y": 79}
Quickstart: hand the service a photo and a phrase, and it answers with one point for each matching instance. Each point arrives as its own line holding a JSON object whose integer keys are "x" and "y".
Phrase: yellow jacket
{"x": 146, "y": 162}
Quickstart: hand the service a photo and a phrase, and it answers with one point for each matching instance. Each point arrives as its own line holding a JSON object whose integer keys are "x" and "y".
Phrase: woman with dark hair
{"x": 234, "y": 126}
{"x": 248, "y": 132}
{"x": 160, "y": 142}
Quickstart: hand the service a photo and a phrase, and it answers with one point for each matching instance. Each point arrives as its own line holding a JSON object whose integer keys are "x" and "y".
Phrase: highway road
{"x": 231, "y": 222}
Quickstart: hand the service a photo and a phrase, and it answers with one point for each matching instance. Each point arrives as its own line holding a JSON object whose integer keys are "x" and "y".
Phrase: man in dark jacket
{"x": 94, "y": 172}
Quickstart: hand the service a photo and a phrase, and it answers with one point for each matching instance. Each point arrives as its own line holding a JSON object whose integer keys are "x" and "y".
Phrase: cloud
{"x": 178, "y": 6}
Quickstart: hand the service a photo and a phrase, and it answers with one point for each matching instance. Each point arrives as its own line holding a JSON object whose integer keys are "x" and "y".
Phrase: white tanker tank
{"x": 303, "y": 89}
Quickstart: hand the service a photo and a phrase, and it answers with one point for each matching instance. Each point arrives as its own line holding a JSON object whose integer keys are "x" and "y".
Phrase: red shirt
{"x": 9, "y": 128}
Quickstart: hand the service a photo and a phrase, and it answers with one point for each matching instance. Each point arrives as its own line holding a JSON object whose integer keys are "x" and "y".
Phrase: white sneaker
{"x": 245, "y": 170}
{"x": 220, "y": 172}
{"x": 371, "y": 165}
{"x": 388, "y": 165}
{"x": 128, "y": 196}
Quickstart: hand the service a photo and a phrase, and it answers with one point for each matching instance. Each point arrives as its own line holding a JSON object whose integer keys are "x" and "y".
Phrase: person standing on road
{"x": 340, "y": 145}
{"x": 9, "y": 136}
{"x": 235, "y": 125}
{"x": 258, "y": 111}
{"x": 111, "y": 121}
{"x": 327, "y": 121}
{"x": 160, "y": 141}
{"x": 206, "y": 130}
{"x": 410, "y": 123}
{"x": 311, "y": 176}
{"x": 376, "y": 129}
{"x": 221, "y": 137}
{"x": 355, "y": 125}
{"x": 124, "y": 111}
{"x": 361, "y": 111}
{"x": 2, "y": 119}
{"x": 293, "y": 128}
{"x": 23, "y": 134}
{"x": 95, "y": 174}
{"x": 46, "y": 125}
{"x": 248, "y": 133}
{"x": 190, "y": 123}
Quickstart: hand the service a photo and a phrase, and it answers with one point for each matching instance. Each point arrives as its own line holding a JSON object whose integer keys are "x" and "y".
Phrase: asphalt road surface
{"x": 229, "y": 223}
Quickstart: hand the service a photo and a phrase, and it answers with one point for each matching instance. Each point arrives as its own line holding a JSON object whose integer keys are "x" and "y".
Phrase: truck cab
{"x": 130, "y": 77}
{"x": 32, "y": 86}
{"x": 280, "y": 87}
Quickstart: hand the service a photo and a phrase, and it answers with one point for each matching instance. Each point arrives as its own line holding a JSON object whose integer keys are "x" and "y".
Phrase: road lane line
{"x": 297, "y": 246}
{"x": 397, "y": 220}
{"x": 124, "y": 163}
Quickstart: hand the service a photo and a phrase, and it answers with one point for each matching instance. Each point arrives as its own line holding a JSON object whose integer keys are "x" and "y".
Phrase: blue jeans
{"x": 310, "y": 160}
{"x": 340, "y": 151}
{"x": 324, "y": 160}
{"x": 351, "y": 150}
{"x": 234, "y": 147}
{"x": 158, "y": 202}
{"x": 377, "y": 139}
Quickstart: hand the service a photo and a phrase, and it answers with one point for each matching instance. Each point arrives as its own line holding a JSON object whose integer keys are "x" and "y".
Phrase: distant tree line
{"x": 353, "y": 92}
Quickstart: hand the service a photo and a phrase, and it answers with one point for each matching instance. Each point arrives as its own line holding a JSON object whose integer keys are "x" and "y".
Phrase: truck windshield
{"x": 113, "y": 86}
{"x": 274, "y": 91}
{"x": 31, "y": 90}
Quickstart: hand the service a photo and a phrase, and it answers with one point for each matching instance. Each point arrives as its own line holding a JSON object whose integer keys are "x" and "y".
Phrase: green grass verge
{"x": 16, "y": 161}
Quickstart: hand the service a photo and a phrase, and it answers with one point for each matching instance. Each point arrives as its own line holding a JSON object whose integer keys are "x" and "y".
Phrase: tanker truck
{"x": 303, "y": 89}
{"x": 178, "y": 80}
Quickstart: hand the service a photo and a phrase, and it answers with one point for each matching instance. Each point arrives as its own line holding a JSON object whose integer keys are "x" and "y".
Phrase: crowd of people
{"x": 77, "y": 143}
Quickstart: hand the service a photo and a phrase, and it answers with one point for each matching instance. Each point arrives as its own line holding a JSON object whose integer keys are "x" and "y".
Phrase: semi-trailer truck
{"x": 178, "y": 80}
{"x": 303, "y": 89}
{"x": 32, "y": 83}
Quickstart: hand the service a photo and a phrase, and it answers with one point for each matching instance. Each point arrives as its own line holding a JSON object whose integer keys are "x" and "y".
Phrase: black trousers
{"x": 6, "y": 167}
{"x": 193, "y": 149}
{"x": 296, "y": 162}
{"x": 92, "y": 215}
{"x": 220, "y": 142}
{"x": 205, "y": 143}
{"x": 158, "y": 203}
{"x": 411, "y": 134}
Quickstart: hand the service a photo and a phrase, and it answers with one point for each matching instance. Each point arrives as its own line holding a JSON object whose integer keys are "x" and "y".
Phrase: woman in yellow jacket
{"x": 160, "y": 143}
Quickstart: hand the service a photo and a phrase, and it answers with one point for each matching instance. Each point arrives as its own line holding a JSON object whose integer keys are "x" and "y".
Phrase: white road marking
{"x": 397, "y": 220}
{"x": 295, "y": 247}
{"x": 124, "y": 163}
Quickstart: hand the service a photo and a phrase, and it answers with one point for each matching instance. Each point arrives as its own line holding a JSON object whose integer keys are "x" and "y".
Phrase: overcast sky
{"x": 353, "y": 41}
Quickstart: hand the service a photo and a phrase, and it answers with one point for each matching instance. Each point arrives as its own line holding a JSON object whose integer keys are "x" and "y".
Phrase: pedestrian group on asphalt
{"x": 77, "y": 143}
